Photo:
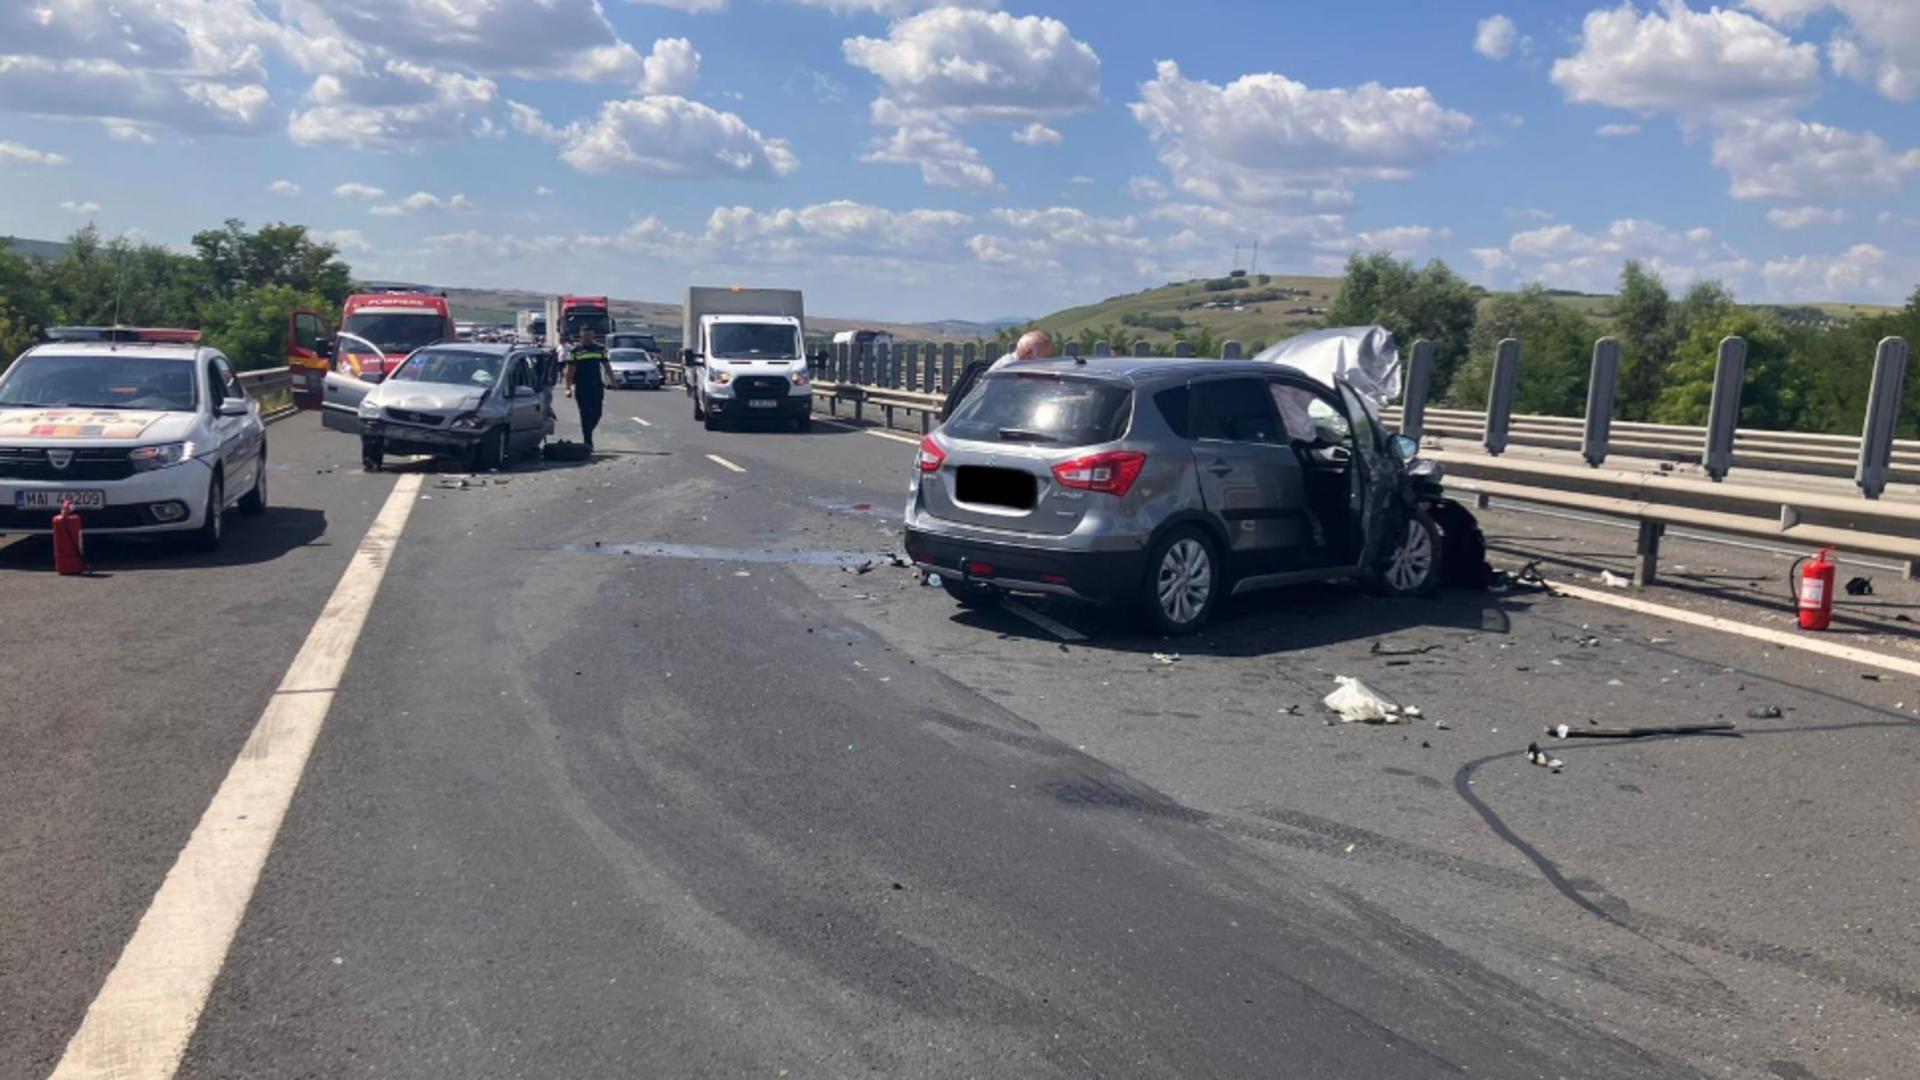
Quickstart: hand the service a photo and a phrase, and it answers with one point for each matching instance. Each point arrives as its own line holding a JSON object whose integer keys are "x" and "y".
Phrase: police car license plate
{"x": 763, "y": 403}
{"x": 53, "y": 500}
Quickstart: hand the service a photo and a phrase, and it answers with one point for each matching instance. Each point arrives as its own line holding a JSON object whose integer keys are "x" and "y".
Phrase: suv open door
{"x": 1379, "y": 506}
{"x": 307, "y": 363}
{"x": 341, "y": 390}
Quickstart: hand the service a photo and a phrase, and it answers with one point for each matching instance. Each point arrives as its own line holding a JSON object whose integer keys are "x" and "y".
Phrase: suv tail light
{"x": 930, "y": 457}
{"x": 1112, "y": 473}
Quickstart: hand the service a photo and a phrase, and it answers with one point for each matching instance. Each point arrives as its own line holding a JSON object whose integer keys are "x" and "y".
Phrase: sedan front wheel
{"x": 1183, "y": 582}
{"x": 1413, "y": 567}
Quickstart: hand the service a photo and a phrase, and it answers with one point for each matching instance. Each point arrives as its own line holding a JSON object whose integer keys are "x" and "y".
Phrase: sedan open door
{"x": 342, "y": 391}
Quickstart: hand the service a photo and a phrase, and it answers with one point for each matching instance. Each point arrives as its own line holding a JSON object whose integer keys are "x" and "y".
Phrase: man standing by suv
{"x": 587, "y": 378}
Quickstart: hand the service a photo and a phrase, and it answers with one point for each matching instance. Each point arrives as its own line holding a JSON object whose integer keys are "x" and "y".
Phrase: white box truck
{"x": 745, "y": 354}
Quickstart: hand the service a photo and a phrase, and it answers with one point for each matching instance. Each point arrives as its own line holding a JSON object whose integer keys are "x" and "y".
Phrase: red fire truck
{"x": 579, "y": 313}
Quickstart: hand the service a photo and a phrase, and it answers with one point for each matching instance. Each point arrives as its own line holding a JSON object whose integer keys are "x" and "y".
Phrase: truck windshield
{"x": 99, "y": 382}
{"x": 397, "y": 333}
{"x": 450, "y": 366}
{"x": 596, "y": 320}
{"x": 1042, "y": 409}
{"x": 755, "y": 341}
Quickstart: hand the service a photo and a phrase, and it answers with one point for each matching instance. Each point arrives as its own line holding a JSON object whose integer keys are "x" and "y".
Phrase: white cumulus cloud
{"x": 663, "y": 135}
{"x": 1266, "y": 139}
{"x": 1617, "y": 131}
{"x": 13, "y": 153}
{"x": 72, "y": 206}
{"x": 353, "y": 189}
{"x": 1495, "y": 37}
{"x": 1710, "y": 63}
{"x": 347, "y": 240}
{"x": 974, "y": 65}
{"x": 421, "y": 200}
{"x": 944, "y": 159}
{"x": 672, "y": 68}
{"x": 1037, "y": 134}
{"x": 284, "y": 187}
{"x": 1797, "y": 160}
{"x": 1804, "y": 217}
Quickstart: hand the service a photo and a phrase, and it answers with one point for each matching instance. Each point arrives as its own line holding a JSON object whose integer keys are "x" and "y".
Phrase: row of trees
{"x": 237, "y": 287}
{"x": 1799, "y": 377}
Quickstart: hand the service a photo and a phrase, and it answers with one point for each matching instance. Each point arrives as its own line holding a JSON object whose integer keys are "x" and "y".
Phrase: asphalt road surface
{"x": 656, "y": 766}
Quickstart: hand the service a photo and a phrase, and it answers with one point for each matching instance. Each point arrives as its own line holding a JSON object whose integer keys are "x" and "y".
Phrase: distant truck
{"x": 745, "y": 354}
{"x": 579, "y": 313}
{"x": 530, "y": 326}
{"x": 863, "y": 339}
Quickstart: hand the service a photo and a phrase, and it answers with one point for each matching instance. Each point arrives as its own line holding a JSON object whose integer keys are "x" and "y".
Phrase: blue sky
{"x": 903, "y": 159}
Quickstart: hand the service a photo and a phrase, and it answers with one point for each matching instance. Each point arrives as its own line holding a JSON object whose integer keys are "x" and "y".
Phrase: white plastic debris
{"x": 933, "y": 581}
{"x": 1358, "y": 703}
{"x": 1560, "y": 731}
{"x": 1613, "y": 581}
{"x": 1542, "y": 758}
{"x": 1167, "y": 658}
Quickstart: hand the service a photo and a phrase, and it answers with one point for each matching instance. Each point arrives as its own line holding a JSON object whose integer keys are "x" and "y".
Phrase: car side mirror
{"x": 234, "y": 406}
{"x": 1404, "y": 447}
{"x": 688, "y": 358}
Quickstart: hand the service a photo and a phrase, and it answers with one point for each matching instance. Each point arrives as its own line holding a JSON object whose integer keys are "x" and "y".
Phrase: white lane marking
{"x": 1781, "y": 638}
{"x": 724, "y": 463}
{"x": 1057, "y": 629}
{"x": 642, "y": 423}
{"x": 894, "y": 435}
{"x": 138, "y": 1026}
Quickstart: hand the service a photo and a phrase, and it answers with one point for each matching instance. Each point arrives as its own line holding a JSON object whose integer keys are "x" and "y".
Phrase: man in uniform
{"x": 587, "y": 379}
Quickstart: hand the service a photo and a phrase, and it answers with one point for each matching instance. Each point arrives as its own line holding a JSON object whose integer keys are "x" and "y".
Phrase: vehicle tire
{"x": 372, "y": 453}
{"x": 500, "y": 454}
{"x": 803, "y": 424}
{"x": 1413, "y": 567}
{"x": 1183, "y": 582}
{"x": 254, "y": 503}
{"x": 969, "y": 595}
{"x": 711, "y": 421}
{"x": 207, "y": 538}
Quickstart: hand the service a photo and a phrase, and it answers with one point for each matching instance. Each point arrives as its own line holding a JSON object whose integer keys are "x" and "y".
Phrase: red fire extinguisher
{"x": 1816, "y": 591}
{"x": 69, "y": 553}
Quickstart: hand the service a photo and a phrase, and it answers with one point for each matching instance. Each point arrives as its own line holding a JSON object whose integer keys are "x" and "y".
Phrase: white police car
{"x": 139, "y": 437}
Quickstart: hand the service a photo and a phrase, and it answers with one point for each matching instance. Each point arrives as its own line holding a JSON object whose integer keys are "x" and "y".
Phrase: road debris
{"x": 1614, "y": 581}
{"x": 1542, "y": 758}
{"x": 1358, "y": 703}
{"x": 1563, "y": 731}
{"x": 1381, "y": 648}
{"x": 1860, "y": 586}
{"x": 1764, "y": 712}
{"x": 933, "y": 581}
{"x": 1167, "y": 658}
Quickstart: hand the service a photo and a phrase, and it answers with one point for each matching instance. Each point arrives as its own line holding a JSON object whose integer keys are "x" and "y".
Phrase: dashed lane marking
{"x": 724, "y": 463}
{"x": 642, "y": 423}
{"x": 139, "y": 1025}
{"x": 1781, "y": 638}
{"x": 893, "y": 435}
{"x": 1052, "y": 626}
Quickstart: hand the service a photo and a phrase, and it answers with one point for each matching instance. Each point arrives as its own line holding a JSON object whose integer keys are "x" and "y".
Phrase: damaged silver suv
{"x": 1165, "y": 485}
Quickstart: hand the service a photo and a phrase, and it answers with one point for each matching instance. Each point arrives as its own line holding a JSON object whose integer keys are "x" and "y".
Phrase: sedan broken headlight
{"x": 468, "y": 421}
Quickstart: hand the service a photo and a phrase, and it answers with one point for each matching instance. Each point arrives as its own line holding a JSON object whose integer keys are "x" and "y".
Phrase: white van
{"x": 745, "y": 354}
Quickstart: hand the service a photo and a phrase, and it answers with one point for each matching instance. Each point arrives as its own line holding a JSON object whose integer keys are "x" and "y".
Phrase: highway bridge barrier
{"x": 273, "y": 389}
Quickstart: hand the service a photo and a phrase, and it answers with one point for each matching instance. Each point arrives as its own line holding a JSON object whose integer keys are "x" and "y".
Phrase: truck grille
{"x": 760, "y": 386}
{"x": 33, "y": 463}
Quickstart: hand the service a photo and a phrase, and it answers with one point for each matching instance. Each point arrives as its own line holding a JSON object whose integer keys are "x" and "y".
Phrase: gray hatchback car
{"x": 1164, "y": 485}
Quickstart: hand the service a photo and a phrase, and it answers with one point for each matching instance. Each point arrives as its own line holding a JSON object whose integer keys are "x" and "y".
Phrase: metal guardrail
{"x": 273, "y": 389}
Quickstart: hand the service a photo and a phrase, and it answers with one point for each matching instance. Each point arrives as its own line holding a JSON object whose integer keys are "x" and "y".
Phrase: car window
{"x": 107, "y": 381}
{"x": 1042, "y": 409}
{"x": 1234, "y": 410}
{"x": 229, "y": 382}
{"x": 216, "y": 386}
{"x": 1175, "y": 405}
{"x": 1329, "y": 423}
{"x": 454, "y": 366}
{"x": 306, "y": 330}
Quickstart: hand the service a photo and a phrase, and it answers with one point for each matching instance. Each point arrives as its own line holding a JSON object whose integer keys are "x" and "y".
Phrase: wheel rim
{"x": 1185, "y": 581}
{"x": 1413, "y": 560}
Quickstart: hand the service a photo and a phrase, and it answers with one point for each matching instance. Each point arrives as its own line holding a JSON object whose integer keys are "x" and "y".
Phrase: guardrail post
{"x": 1103, "y": 348}
{"x": 946, "y": 366}
{"x": 1601, "y": 384}
{"x": 1506, "y": 374}
{"x": 1182, "y": 348}
{"x": 1413, "y": 409}
{"x": 1073, "y": 348}
{"x": 1723, "y": 415}
{"x": 1141, "y": 348}
{"x": 1230, "y": 351}
{"x": 1883, "y": 415}
{"x": 967, "y": 354}
{"x": 1646, "y": 565}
